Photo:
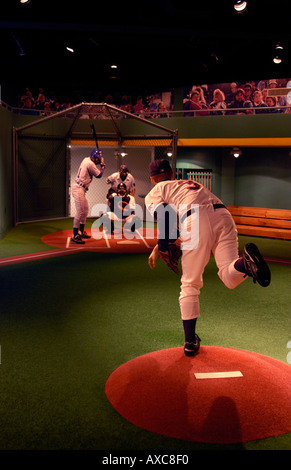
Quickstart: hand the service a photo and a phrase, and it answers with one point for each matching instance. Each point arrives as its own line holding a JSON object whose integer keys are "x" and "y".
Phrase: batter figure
{"x": 87, "y": 170}
{"x": 217, "y": 236}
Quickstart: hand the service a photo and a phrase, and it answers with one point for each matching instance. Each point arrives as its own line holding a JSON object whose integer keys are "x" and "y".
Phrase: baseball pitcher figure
{"x": 87, "y": 170}
{"x": 217, "y": 235}
{"x": 121, "y": 176}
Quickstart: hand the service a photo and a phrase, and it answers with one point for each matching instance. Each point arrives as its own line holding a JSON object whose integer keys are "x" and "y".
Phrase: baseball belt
{"x": 82, "y": 185}
{"x": 219, "y": 206}
{"x": 191, "y": 211}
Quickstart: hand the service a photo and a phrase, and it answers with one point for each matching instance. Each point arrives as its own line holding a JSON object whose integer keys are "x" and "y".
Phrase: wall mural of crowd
{"x": 264, "y": 96}
{"x": 251, "y": 97}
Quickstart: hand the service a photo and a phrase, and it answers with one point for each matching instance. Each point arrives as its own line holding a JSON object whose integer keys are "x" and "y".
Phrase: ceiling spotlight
{"x": 169, "y": 152}
{"x": 120, "y": 153}
{"x": 24, "y": 2}
{"x": 278, "y": 54}
{"x": 240, "y": 6}
{"x": 114, "y": 71}
{"x": 236, "y": 152}
{"x": 70, "y": 49}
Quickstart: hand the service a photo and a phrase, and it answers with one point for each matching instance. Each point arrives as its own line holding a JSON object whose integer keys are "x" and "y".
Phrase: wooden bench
{"x": 261, "y": 222}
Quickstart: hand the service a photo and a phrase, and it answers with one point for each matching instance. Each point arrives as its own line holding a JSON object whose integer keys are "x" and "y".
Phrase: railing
{"x": 203, "y": 177}
{"x": 232, "y": 111}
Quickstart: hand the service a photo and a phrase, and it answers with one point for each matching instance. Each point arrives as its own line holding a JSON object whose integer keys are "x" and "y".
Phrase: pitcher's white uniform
{"x": 217, "y": 236}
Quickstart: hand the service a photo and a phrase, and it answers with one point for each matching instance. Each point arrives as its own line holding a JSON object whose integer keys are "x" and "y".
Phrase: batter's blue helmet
{"x": 96, "y": 153}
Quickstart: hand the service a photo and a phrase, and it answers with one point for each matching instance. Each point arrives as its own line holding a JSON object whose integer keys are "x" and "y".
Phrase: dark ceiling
{"x": 157, "y": 44}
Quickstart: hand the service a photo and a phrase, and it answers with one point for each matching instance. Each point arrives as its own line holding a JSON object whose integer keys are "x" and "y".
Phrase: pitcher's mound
{"x": 222, "y": 395}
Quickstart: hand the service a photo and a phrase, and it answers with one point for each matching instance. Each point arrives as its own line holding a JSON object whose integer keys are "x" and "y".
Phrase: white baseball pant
{"x": 81, "y": 203}
{"x": 217, "y": 236}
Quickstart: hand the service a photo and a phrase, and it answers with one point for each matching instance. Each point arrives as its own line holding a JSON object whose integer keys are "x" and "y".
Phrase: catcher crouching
{"x": 216, "y": 234}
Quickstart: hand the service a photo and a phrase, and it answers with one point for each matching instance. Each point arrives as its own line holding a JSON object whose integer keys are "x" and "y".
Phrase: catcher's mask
{"x": 122, "y": 190}
{"x": 96, "y": 155}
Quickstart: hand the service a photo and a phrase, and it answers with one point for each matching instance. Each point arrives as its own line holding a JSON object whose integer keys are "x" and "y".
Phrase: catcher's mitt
{"x": 171, "y": 257}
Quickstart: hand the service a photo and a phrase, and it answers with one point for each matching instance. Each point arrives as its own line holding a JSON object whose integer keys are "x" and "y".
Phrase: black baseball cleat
{"x": 84, "y": 235}
{"x": 255, "y": 265}
{"x": 191, "y": 349}
{"x": 77, "y": 239}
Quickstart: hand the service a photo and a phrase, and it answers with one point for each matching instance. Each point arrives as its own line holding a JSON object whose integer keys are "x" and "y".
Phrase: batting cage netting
{"x": 48, "y": 151}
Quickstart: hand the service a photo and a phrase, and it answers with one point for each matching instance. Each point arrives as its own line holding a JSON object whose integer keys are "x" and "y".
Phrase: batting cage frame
{"x": 47, "y": 150}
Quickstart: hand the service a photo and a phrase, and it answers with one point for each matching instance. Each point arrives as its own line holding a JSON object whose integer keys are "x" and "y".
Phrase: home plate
{"x": 127, "y": 242}
{"x": 218, "y": 375}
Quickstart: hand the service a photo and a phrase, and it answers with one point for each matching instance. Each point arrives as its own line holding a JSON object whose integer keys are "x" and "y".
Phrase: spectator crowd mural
{"x": 264, "y": 96}
{"x": 250, "y": 97}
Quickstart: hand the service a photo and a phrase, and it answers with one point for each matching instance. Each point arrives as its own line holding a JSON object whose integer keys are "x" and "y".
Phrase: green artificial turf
{"x": 26, "y": 238}
{"x": 68, "y": 322}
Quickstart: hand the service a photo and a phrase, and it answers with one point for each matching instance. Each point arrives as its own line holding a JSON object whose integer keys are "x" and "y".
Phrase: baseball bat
{"x": 94, "y": 135}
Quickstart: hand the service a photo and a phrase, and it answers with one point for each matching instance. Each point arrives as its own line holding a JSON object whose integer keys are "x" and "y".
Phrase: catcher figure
{"x": 122, "y": 208}
{"x": 217, "y": 235}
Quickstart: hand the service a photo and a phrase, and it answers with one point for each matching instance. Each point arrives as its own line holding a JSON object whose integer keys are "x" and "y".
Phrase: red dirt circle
{"x": 161, "y": 392}
{"x": 142, "y": 241}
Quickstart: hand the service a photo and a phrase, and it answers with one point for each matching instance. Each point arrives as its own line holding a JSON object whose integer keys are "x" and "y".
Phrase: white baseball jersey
{"x": 115, "y": 180}
{"x": 85, "y": 174}
{"x": 181, "y": 193}
{"x": 216, "y": 235}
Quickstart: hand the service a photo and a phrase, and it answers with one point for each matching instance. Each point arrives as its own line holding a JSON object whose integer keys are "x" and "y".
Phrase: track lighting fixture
{"x": 240, "y": 6}
{"x": 236, "y": 152}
